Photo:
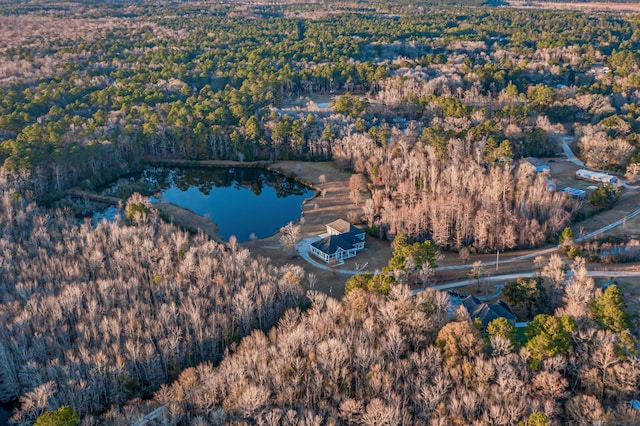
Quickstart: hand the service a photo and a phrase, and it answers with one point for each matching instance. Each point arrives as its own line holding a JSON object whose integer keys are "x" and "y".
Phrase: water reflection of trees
{"x": 205, "y": 179}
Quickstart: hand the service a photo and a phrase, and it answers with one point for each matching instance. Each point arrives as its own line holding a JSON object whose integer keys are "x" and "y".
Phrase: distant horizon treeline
{"x": 86, "y": 111}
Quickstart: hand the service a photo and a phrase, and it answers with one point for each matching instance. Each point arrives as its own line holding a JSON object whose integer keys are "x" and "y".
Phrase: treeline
{"x": 78, "y": 106}
{"x": 93, "y": 317}
{"x": 401, "y": 359}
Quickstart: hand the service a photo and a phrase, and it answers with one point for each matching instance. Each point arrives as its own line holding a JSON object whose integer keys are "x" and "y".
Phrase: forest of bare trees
{"x": 373, "y": 360}
{"x": 97, "y": 317}
{"x": 453, "y": 196}
{"x": 93, "y": 317}
{"x": 433, "y": 108}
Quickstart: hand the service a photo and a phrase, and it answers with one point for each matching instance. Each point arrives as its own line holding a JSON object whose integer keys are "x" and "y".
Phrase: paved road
{"x": 608, "y": 227}
{"x": 528, "y": 274}
{"x": 570, "y": 155}
{"x": 302, "y": 248}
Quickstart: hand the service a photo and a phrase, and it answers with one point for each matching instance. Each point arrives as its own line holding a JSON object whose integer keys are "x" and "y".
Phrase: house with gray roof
{"x": 487, "y": 312}
{"x": 342, "y": 241}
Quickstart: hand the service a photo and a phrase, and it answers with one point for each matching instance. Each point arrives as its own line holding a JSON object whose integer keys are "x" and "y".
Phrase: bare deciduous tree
{"x": 554, "y": 271}
{"x": 290, "y": 235}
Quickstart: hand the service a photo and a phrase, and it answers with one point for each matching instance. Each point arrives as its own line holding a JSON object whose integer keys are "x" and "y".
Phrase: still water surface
{"x": 241, "y": 201}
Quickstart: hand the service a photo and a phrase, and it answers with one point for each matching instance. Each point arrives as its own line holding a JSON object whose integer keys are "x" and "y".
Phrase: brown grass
{"x": 335, "y": 204}
{"x": 189, "y": 220}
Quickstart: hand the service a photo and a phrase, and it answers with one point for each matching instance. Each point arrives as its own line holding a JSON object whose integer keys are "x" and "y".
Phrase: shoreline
{"x": 188, "y": 220}
{"x": 191, "y": 221}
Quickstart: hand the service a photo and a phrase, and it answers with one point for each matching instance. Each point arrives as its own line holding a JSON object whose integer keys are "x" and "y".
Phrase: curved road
{"x": 569, "y": 153}
{"x": 529, "y": 274}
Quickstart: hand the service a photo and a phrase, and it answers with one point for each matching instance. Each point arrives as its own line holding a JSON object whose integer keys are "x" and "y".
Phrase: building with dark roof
{"x": 537, "y": 165}
{"x": 487, "y": 312}
{"x": 342, "y": 242}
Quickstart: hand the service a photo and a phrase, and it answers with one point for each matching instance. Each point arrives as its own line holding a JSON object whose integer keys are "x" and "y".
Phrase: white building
{"x": 598, "y": 177}
{"x": 344, "y": 241}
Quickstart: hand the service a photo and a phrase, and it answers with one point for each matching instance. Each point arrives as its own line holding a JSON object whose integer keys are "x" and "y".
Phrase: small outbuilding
{"x": 537, "y": 165}
{"x": 575, "y": 193}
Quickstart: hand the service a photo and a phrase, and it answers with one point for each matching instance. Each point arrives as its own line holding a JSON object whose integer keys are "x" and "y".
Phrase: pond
{"x": 109, "y": 214}
{"x": 240, "y": 200}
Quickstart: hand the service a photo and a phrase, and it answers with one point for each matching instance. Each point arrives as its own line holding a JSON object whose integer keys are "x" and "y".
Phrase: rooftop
{"x": 341, "y": 226}
{"x": 487, "y": 312}
{"x": 535, "y": 161}
{"x": 331, "y": 243}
